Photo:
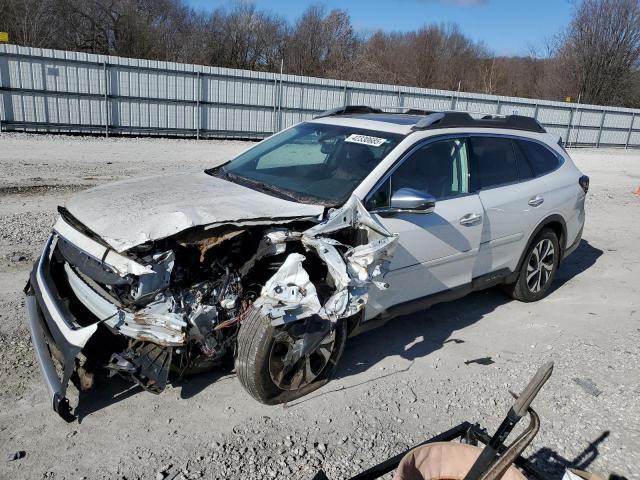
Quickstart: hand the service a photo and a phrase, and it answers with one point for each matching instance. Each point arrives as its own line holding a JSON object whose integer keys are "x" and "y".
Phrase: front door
{"x": 436, "y": 251}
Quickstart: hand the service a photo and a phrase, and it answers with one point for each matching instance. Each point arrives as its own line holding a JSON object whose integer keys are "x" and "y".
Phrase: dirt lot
{"x": 396, "y": 385}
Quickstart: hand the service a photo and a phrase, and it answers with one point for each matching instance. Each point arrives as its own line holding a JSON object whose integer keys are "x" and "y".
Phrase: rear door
{"x": 562, "y": 194}
{"x": 513, "y": 201}
{"x": 436, "y": 251}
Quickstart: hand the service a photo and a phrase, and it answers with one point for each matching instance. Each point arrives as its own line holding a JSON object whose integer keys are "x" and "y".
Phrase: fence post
{"x": 578, "y": 124}
{"x": 498, "y": 107}
{"x": 280, "y": 93}
{"x": 535, "y": 112}
{"x": 604, "y": 114}
{"x": 399, "y": 100}
{"x": 275, "y": 106}
{"x": 1, "y": 100}
{"x": 344, "y": 96}
{"x": 198, "y": 92}
{"x": 633, "y": 119}
{"x": 106, "y": 100}
{"x": 568, "y": 134}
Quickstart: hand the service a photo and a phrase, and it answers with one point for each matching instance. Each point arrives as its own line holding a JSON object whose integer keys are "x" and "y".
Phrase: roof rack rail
{"x": 348, "y": 109}
{"x": 418, "y": 111}
{"x": 447, "y": 119}
{"x": 463, "y": 119}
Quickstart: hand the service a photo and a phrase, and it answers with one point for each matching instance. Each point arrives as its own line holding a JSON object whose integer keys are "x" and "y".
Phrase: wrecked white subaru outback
{"x": 272, "y": 257}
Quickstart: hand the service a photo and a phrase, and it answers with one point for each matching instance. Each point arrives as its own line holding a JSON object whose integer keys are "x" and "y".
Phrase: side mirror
{"x": 411, "y": 200}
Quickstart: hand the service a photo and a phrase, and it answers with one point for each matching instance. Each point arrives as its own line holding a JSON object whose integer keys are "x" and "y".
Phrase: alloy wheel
{"x": 290, "y": 371}
{"x": 540, "y": 266}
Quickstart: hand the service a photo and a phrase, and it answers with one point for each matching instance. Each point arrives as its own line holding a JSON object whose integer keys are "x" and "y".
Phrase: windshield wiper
{"x": 250, "y": 182}
{"x": 270, "y": 188}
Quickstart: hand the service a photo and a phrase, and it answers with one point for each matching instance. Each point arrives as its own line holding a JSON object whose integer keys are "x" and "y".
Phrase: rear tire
{"x": 257, "y": 342}
{"x": 538, "y": 269}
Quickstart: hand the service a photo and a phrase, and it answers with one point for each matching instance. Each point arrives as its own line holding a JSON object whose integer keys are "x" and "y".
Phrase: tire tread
{"x": 252, "y": 355}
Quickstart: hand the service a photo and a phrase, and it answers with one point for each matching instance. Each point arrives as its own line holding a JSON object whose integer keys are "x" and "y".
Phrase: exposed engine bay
{"x": 177, "y": 304}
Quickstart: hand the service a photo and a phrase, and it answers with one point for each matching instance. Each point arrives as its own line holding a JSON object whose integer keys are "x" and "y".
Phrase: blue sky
{"x": 507, "y": 27}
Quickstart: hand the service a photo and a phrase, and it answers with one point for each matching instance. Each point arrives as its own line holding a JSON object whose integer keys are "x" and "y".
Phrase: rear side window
{"x": 524, "y": 167}
{"x": 494, "y": 162}
{"x": 541, "y": 159}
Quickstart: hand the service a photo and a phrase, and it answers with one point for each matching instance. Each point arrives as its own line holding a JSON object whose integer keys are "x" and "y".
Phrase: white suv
{"x": 320, "y": 231}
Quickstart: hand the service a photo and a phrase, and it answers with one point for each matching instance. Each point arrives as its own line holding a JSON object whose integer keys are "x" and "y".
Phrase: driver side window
{"x": 440, "y": 168}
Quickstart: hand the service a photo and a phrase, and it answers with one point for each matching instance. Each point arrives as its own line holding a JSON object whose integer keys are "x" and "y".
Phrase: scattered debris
{"x": 454, "y": 340}
{"x": 588, "y": 386}
{"x": 16, "y": 456}
{"x": 480, "y": 361}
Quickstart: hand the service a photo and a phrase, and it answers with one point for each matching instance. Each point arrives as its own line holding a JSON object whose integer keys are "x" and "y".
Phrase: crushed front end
{"x": 175, "y": 305}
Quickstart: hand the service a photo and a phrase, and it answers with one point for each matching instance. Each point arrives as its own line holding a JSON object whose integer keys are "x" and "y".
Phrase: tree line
{"x": 596, "y": 58}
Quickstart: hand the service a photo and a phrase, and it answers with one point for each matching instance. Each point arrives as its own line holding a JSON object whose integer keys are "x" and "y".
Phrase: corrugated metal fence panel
{"x": 53, "y": 90}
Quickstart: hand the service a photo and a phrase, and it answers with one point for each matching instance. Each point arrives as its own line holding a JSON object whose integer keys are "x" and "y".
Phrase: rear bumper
{"x": 54, "y": 333}
{"x": 576, "y": 243}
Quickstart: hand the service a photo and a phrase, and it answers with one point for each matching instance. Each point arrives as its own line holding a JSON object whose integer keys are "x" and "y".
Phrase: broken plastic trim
{"x": 155, "y": 322}
{"x": 289, "y": 295}
{"x": 119, "y": 263}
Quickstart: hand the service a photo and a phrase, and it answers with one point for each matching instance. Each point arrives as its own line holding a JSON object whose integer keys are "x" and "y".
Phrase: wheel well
{"x": 555, "y": 223}
{"x": 558, "y": 229}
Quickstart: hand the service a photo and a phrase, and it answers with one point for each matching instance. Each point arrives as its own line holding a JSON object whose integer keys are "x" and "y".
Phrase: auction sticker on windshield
{"x": 365, "y": 140}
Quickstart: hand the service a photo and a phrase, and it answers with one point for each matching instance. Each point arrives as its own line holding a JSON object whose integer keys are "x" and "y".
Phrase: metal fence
{"x": 60, "y": 91}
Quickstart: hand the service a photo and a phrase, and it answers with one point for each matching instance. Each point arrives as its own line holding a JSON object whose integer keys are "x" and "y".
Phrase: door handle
{"x": 536, "y": 201}
{"x": 470, "y": 219}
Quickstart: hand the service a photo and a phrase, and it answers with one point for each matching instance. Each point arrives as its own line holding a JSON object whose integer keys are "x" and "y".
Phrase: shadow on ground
{"x": 551, "y": 463}
{"x": 422, "y": 333}
{"x": 579, "y": 261}
{"x": 107, "y": 392}
{"x": 409, "y": 337}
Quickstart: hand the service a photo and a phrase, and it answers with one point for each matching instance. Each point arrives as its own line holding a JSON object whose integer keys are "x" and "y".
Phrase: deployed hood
{"x": 131, "y": 212}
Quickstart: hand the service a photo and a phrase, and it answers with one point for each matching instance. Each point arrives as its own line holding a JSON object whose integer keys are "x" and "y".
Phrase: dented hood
{"x": 131, "y": 212}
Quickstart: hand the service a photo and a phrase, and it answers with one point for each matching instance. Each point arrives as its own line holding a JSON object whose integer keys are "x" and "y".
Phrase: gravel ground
{"x": 396, "y": 385}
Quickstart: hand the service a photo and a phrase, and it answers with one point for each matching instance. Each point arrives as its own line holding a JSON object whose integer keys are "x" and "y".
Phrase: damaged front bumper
{"x": 53, "y": 333}
{"x": 59, "y": 337}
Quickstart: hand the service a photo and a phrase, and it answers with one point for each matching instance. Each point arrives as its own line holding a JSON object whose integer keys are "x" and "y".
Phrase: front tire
{"x": 538, "y": 269}
{"x": 263, "y": 347}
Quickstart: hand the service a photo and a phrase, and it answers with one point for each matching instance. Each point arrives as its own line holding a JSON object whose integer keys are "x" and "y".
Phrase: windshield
{"x": 312, "y": 162}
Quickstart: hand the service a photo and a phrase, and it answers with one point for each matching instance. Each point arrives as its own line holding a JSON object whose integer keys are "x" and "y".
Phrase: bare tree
{"x": 321, "y": 45}
{"x": 600, "y": 50}
{"x": 29, "y": 22}
{"x": 304, "y": 51}
{"x": 597, "y": 56}
{"x": 242, "y": 37}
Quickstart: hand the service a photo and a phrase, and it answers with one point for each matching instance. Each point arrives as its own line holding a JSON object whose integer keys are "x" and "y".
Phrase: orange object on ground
{"x": 637, "y": 192}
{"x": 443, "y": 461}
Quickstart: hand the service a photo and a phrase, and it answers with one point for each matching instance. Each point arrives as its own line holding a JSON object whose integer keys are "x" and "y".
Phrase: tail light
{"x": 584, "y": 183}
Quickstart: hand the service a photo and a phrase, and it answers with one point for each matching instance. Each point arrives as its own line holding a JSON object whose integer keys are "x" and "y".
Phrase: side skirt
{"x": 412, "y": 306}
